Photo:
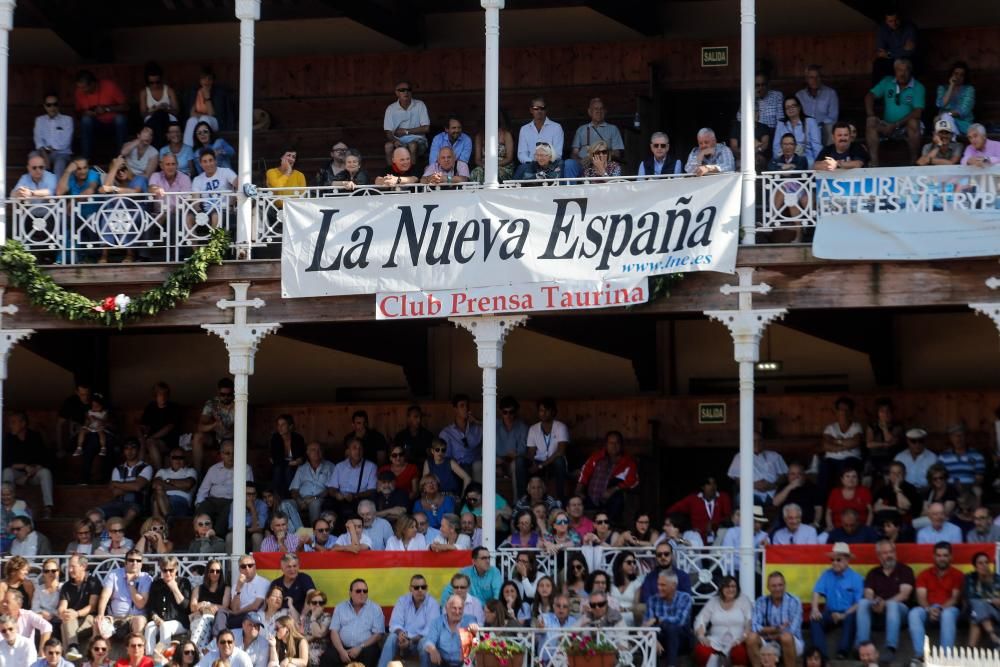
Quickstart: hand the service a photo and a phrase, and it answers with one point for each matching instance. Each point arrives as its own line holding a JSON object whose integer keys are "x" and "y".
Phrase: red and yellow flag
{"x": 387, "y": 573}
{"x": 802, "y": 565}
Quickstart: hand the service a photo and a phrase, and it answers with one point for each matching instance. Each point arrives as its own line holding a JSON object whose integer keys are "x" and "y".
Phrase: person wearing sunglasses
{"x": 98, "y": 653}
{"x": 173, "y": 485}
{"x": 391, "y": 502}
{"x": 227, "y": 652}
{"x": 315, "y": 626}
{"x": 169, "y": 605}
{"x": 598, "y": 612}
{"x": 45, "y": 601}
{"x": 206, "y": 600}
{"x": 356, "y": 629}
{"x": 248, "y": 595}
{"x": 406, "y": 124}
{"x": 411, "y": 618}
{"x": 77, "y": 604}
{"x": 53, "y": 134}
{"x": 599, "y": 163}
{"x": 122, "y": 604}
{"x": 187, "y": 654}
{"x": 216, "y": 421}
{"x": 154, "y": 538}
{"x": 660, "y": 160}
{"x": 15, "y": 648}
{"x": 37, "y": 181}
{"x": 27, "y": 542}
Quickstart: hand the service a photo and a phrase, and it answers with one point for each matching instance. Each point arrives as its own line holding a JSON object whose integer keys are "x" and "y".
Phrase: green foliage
{"x": 659, "y": 286}
{"x": 44, "y": 293}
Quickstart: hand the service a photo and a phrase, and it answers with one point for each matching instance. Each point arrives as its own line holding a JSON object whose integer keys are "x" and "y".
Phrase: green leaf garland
{"x": 43, "y": 292}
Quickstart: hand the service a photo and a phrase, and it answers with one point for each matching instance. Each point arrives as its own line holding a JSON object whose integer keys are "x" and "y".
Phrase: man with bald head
{"x": 401, "y": 170}
{"x": 446, "y": 169}
{"x": 940, "y": 529}
{"x": 443, "y": 644}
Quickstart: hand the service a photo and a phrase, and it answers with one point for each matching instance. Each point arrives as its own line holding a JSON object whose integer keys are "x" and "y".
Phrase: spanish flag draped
{"x": 386, "y": 572}
{"x": 803, "y": 564}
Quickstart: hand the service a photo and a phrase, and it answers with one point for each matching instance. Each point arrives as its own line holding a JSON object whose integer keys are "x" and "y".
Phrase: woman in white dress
{"x": 721, "y": 627}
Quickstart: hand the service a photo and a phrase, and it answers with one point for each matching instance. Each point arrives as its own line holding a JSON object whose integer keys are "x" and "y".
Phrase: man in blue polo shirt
{"x": 842, "y": 588}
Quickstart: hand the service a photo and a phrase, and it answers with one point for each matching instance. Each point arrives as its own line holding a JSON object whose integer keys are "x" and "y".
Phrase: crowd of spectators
{"x": 178, "y": 148}
{"x": 420, "y": 491}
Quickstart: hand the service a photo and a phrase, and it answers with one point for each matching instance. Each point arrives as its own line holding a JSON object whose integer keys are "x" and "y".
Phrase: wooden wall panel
{"x": 798, "y": 420}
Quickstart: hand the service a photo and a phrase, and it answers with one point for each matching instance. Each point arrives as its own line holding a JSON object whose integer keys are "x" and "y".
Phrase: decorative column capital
{"x": 248, "y": 10}
{"x": 989, "y": 309}
{"x": 241, "y": 338}
{"x": 492, "y": 4}
{"x": 747, "y": 327}
{"x": 489, "y": 331}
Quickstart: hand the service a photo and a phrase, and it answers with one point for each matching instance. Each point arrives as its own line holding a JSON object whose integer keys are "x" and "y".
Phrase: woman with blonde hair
{"x": 598, "y": 162}
{"x": 154, "y": 537}
{"x": 289, "y": 647}
{"x": 406, "y": 538}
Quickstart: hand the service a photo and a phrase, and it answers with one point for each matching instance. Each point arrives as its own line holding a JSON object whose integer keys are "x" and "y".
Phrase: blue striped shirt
{"x": 787, "y": 615}
{"x": 963, "y": 468}
{"x": 675, "y": 612}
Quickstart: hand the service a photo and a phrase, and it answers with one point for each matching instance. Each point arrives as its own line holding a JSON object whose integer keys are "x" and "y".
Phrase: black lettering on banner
{"x": 562, "y": 227}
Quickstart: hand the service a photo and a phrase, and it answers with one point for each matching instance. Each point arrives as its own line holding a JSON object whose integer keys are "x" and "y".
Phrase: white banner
{"x": 512, "y": 236}
{"x": 564, "y": 295}
{"x": 908, "y": 213}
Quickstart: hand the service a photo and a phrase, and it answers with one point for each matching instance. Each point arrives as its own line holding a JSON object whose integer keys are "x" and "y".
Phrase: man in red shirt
{"x": 606, "y": 475}
{"x": 707, "y": 509}
{"x": 939, "y": 589}
{"x": 102, "y": 107}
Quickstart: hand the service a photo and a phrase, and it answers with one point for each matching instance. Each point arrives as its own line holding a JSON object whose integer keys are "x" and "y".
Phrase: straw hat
{"x": 840, "y": 549}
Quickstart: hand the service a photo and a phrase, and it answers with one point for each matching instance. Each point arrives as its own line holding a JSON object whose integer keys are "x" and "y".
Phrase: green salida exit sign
{"x": 715, "y": 56}
{"x": 711, "y": 413}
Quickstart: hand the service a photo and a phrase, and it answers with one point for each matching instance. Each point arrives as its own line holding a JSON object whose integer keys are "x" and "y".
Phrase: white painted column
{"x": 241, "y": 339}
{"x": 489, "y": 331}
{"x": 492, "y": 79}
{"x": 247, "y": 11}
{"x": 6, "y": 25}
{"x": 748, "y": 56}
{"x": 9, "y": 338}
{"x": 746, "y": 326}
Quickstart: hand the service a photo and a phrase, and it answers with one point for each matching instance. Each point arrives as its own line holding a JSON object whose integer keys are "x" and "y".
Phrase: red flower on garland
{"x": 107, "y": 305}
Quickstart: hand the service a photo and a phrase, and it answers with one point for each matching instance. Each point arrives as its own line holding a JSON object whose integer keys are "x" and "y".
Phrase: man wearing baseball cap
{"x": 842, "y": 589}
{"x": 942, "y": 149}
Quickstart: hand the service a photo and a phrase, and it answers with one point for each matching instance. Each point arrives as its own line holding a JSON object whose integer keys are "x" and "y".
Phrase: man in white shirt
{"x": 794, "y": 532}
{"x": 173, "y": 486}
{"x": 227, "y": 652}
{"x": 215, "y": 495}
{"x": 406, "y": 123}
{"x": 916, "y": 458}
{"x": 940, "y": 529}
{"x": 547, "y": 442}
{"x": 212, "y": 179}
{"x": 16, "y": 650}
{"x": 54, "y": 135}
{"x": 353, "y": 478}
{"x": 28, "y": 542}
{"x": 841, "y": 445}
{"x": 768, "y": 470}
{"x": 544, "y": 130}
{"x": 248, "y": 596}
{"x": 354, "y": 538}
